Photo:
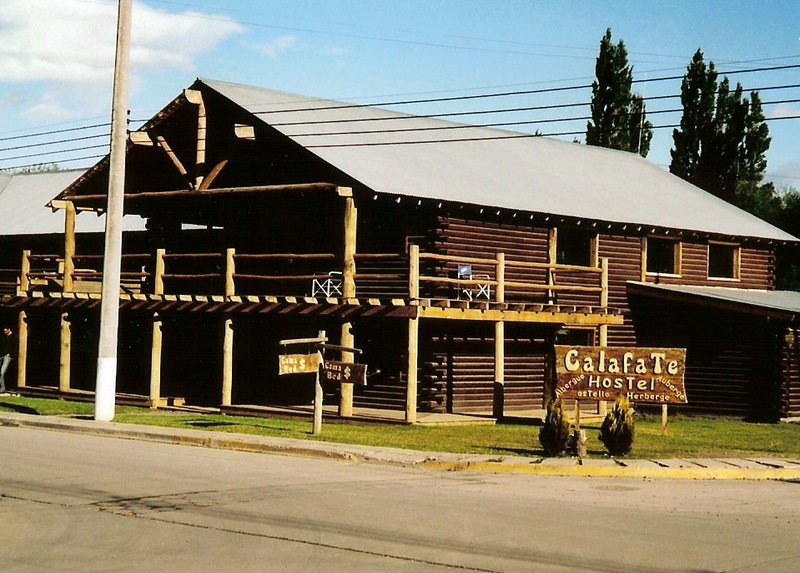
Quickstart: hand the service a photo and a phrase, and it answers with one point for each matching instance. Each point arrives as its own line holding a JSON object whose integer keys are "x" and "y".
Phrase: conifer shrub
{"x": 555, "y": 435}
{"x": 616, "y": 433}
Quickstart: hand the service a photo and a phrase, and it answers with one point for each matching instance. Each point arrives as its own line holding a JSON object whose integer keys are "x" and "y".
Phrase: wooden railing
{"x": 414, "y": 276}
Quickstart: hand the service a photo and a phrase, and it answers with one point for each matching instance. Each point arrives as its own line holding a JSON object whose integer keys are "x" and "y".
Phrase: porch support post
{"x": 498, "y": 402}
{"x": 413, "y": 336}
{"x": 69, "y": 245}
{"x": 22, "y": 352}
{"x": 155, "y": 362}
{"x": 602, "y": 406}
{"x": 66, "y": 347}
{"x": 411, "y": 385}
{"x": 348, "y": 291}
{"x": 227, "y": 361}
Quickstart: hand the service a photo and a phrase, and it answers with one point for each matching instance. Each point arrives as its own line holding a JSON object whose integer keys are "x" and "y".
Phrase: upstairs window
{"x": 663, "y": 256}
{"x": 575, "y": 247}
{"x": 723, "y": 261}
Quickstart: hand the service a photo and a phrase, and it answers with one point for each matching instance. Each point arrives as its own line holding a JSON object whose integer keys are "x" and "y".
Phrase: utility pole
{"x": 106, "y": 385}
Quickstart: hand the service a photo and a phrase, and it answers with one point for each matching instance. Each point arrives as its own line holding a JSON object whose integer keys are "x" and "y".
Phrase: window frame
{"x": 736, "y": 263}
{"x": 593, "y": 237}
{"x": 677, "y": 254}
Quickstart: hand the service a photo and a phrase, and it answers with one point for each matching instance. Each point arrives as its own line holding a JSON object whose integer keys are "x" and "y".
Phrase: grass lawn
{"x": 687, "y": 437}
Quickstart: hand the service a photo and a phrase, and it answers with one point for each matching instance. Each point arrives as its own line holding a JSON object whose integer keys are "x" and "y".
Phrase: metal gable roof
{"x": 391, "y": 152}
{"x": 24, "y": 211}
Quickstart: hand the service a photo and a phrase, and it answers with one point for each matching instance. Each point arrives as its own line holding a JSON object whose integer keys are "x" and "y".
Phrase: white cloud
{"x": 63, "y": 51}
{"x": 784, "y": 110}
{"x": 73, "y": 40}
{"x": 277, "y": 46}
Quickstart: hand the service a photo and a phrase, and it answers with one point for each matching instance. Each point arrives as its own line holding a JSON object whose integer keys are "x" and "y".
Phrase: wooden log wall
{"x": 791, "y": 374}
{"x": 458, "y": 374}
{"x": 483, "y": 239}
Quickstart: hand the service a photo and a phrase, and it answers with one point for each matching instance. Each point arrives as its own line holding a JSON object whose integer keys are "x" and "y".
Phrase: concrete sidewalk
{"x": 716, "y": 468}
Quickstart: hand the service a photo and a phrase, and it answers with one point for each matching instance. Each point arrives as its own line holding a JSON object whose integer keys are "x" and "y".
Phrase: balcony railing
{"x": 414, "y": 276}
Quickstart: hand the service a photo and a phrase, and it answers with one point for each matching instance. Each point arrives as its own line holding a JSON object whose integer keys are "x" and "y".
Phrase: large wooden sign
{"x": 298, "y": 363}
{"x": 653, "y": 375}
{"x": 344, "y": 372}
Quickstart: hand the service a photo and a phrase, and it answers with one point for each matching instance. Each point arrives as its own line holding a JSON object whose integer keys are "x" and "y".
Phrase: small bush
{"x": 555, "y": 435}
{"x": 616, "y": 433}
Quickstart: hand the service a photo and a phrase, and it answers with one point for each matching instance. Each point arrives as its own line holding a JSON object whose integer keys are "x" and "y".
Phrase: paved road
{"x": 85, "y": 503}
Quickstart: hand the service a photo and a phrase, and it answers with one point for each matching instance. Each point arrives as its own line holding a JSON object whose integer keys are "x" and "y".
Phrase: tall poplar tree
{"x": 618, "y": 116}
{"x": 723, "y": 137}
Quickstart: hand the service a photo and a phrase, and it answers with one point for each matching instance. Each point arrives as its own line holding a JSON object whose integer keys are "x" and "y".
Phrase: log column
{"x": 66, "y": 350}
{"x": 498, "y": 402}
{"x": 228, "y": 331}
{"x": 155, "y": 362}
{"x": 348, "y": 291}
{"x": 413, "y": 336}
{"x": 22, "y": 352}
{"x": 69, "y": 245}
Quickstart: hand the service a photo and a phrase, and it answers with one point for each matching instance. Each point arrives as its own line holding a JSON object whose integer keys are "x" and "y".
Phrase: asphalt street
{"x": 71, "y": 502}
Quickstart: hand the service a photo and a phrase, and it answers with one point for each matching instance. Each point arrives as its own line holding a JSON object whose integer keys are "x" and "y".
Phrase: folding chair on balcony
{"x": 329, "y": 284}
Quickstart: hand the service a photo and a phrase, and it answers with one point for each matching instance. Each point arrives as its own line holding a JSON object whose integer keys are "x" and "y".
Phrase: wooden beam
{"x": 174, "y": 158}
{"x": 140, "y": 138}
{"x": 555, "y": 316}
{"x": 254, "y": 189}
{"x": 155, "y": 361}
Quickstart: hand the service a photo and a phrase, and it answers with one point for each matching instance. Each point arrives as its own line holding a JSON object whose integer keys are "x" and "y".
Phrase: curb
{"x": 716, "y": 469}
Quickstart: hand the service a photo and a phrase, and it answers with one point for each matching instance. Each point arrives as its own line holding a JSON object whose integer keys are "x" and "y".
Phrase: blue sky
{"x": 56, "y": 60}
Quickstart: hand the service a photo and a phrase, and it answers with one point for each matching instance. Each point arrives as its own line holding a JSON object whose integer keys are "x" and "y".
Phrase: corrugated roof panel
{"x": 498, "y": 168}
{"x": 787, "y": 301}
{"x": 24, "y": 211}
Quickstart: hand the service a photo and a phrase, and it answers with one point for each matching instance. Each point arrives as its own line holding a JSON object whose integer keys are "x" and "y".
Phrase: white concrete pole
{"x": 106, "y": 387}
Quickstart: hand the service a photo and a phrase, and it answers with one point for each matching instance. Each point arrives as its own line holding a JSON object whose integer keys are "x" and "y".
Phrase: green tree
{"x": 618, "y": 116}
{"x": 698, "y": 93}
{"x": 723, "y": 137}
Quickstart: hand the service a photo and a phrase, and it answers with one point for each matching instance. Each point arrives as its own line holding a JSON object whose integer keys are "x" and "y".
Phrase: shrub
{"x": 616, "y": 433}
{"x": 555, "y": 435}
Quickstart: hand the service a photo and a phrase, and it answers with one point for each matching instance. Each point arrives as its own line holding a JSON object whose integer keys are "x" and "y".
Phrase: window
{"x": 574, "y": 247}
{"x": 663, "y": 256}
{"x": 723, "y": 261}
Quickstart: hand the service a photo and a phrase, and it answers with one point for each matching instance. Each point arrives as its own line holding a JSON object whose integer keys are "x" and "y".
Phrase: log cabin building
{"x": 454, "y": 256}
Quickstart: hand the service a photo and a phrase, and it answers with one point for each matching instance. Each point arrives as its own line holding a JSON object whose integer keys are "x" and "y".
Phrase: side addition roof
{"x": 391, "y": 152}
{"x": 24, "y": 211}
{"x": 784, "y": 305}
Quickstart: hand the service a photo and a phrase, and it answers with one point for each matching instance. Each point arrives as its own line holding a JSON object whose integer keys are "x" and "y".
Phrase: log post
{"x": 196, "y": 97}
{"x": 69, "y": 246}
{"x": 155, "y": 361}
{"x": 227, "y": 361}
{"x": 158, "y": 282}
{"x": 66, "y": 347}
{"x": 348, "y": 291}
{"x": 602, "y": 406}
{"x": 552, "y": 257}
{"x": 498, "y": 402}
{"x": 24, "y": 282}
{"x": 230, "y": 271}
{"x": 413, "y": 336}
{"x": 22, "y": 351}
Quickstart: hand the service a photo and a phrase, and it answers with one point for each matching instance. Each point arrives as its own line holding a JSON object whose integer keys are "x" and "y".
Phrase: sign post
{"x": 328, "y": 370}
{"x": 600, "y": 373}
